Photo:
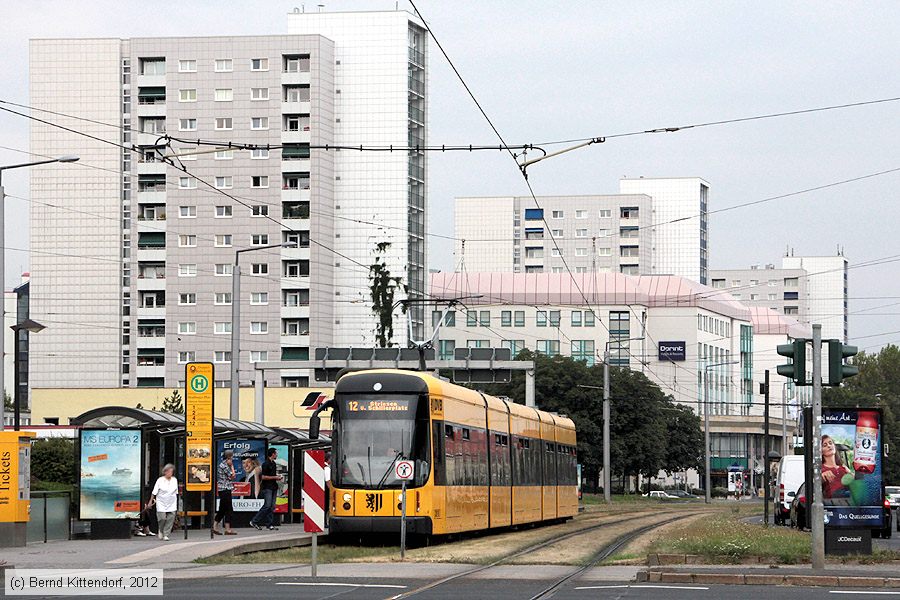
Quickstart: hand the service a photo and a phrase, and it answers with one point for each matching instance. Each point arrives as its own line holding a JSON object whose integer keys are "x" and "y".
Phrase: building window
{"x": 187, "y": 183}
{"x": 581, "y": 233}
{"x": 541, "y": 318}
{"x": 519, "y": 318}
{"x": 477, "y": 344}
{"x": 260, "y": 268}
{"x": 224, "y": 270}
{"x": 588, "y": 318}
{"x": 628, "y": 232}
{"x": 791, "y": 282}
{"x": 515, "y": 346}
{"x": 555, "y": 252}
{"x": 222, "y": 356}
{"x": 186, "y": 356}
{"x": 224, "y": 182}
{"x": 548, "y": 347}
{"x": 484, "y": 318}
{"x": 259, "y": 356}
{"x": 187, "y": 124}
{"x": 446, "y": 349}
{"x": 259, "y": 181}
{"x": 222, "y": 327}
{"x": 605, "y": 213}
{"x": 296, "y": 63}
{"x": 619, "y": 334}
{"x": 259, "y": 154}
{"x": 259, "y": 123}
{"x": 187, "y": 270}
{"x": 471, "y": 318}
{"x": 187, "y": 241}
{"x": 576, "y": 318}
{"x": 557, "y": 214}
{"x": 224, "y": 155}
{"x": 628, "y": 212}
{"x": 259, "y": 210}
{"x": 223, "y": 298}
{"x": 187, "y": 212}
{"x": 224, "y": 211}
{"x": 555, "y": 318}
{"x": 259, "y": 327}
{"x": 773, "y": 296}
{"x": 187, "y": 66}
{"x": 187, "y": 299}
{"x": 581, "y": 252}
{"x": 224, "y": 65}
{"x": 557, "y": 233}
{"x": 583, "y": 350}
{"x": 791, "y": 310}
{"x": 630, "y": 269}
{"x": 223, "y": 240}
{"x": 718, "y": 283}
{"x": 259, "y": 239}
{"x": 187, "y": 328}
{"x": 534, "y": 214}
{"x": 506, "y": 318}
{"x": 258, "y": 298}
{"x": 791, "y": 295}
{"x": 604, "y": 251}
{"x": 187, "y": 95}
{"x": 259, "y": 64}
{"x": 581, "y": 214}
{"x": 224, "y": 95}
{"x": 629, "y": 251}
{"x": 224, "y": 123}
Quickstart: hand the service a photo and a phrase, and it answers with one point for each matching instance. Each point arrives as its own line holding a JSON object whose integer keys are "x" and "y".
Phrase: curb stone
{"x": 662, "y": 576}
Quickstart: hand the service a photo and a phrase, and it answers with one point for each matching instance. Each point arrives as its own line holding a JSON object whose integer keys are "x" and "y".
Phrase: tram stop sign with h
{"x": 404, "y": 470}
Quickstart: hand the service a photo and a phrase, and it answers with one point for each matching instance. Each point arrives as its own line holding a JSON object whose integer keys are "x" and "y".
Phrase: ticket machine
{"x": 15, "y": 486}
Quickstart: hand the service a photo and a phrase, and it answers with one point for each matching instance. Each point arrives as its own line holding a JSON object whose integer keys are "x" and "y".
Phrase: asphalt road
{"x": 265, "y": 588}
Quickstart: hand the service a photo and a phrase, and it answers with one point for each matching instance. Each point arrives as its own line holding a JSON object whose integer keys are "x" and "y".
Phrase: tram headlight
{"x": 347, "y": 497}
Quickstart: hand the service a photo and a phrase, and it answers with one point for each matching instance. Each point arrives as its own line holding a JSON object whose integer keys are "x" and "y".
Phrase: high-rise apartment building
{"x": 810, "y": 289}
{"x": 380, "y": 84}
{"x": 514, "y": 234}
{"x": 134, "y": 280}
{"x": 680, "y": 223}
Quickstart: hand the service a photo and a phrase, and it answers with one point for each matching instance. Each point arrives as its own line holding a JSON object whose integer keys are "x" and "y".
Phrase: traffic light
{"x": 796, "y": 369}
{"x": 837, "y": 370}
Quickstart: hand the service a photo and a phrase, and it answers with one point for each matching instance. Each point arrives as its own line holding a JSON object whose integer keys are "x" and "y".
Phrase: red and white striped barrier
{"x": 314, "y": 491}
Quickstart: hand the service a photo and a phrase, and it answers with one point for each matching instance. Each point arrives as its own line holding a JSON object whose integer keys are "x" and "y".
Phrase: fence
{"x": 51, "y": 516}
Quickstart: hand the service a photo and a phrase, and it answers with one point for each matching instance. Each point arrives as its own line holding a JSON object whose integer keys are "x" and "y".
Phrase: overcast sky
{"x": 552, "y": 70}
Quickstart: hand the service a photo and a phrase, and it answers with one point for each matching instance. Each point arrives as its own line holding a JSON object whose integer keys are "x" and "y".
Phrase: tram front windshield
{"x": 372, "y": 433}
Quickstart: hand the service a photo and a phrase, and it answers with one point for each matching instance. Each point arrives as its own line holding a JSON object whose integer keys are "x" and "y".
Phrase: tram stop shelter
{"x": 121, "y": 452}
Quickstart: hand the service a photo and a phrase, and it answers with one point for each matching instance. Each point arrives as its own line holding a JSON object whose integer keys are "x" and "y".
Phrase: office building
{"x": 810, "y": 289}
{"x": 137, "y": 272}
{"x": 515, "y": 234}
{"x": 680, "y": 222}
{"x": 381, "y": 99}
{"x": 696, "y": 343}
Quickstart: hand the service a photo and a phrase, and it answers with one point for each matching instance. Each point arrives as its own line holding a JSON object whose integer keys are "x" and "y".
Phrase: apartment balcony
{"x": 296, "y": 164}
{"x": 147, "y": 138}
{"x": 294, "y": 340}
{"x": 150, "y": 371}
{"x": 296, "y": 108}
{"x": 148, "y": 81}
{"x": 298, "y": 194}
{"x": 151, "y": 167}
{"x": 149, "y": 109}
{"x": 151, "y": 312}
{"x": 295, "y": 78}
{"x": 298, "y": 136}
{"x": 149, "y": 283}
{"x": 295, "y": 312}
{"x": 151, "y": 254}
{"x": 148, "y": 225}
{"x": 630, "y": 222}
{"x": 295, "y": 253}
{"x": 149, "y": 341}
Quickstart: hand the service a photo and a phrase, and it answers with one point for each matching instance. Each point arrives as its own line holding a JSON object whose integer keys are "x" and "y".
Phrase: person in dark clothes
{"x": 269, "y": 478}
{"x": 225, "y": 485}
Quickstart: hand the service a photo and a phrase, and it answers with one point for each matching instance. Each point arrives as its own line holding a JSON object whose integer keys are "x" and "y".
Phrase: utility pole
{"x": 766, "y": 452}
{"x": 784, "y": 444}
{"x": 817, "y": 525}
{"x": 607, "y": 461}
{"x": 706, "y": 451}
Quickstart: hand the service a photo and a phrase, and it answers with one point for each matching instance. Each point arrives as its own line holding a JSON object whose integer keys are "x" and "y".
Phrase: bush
{"x": 719, "y": 492}
{"x": 53, "y": 460}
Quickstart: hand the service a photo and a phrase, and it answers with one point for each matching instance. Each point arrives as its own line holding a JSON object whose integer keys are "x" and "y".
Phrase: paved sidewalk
{"x": 835, "y": 574}
{"x": 149, "y": 551}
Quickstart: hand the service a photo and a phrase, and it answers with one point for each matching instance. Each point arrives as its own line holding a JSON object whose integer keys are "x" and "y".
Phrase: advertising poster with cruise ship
{"x": 110, "y": 474}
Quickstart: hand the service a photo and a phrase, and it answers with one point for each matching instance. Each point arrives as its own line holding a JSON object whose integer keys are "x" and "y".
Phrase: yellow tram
{"x": 480, "y": 462}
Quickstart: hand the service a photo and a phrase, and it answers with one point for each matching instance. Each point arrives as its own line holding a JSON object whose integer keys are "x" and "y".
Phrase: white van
{"x": 788, "y": 480}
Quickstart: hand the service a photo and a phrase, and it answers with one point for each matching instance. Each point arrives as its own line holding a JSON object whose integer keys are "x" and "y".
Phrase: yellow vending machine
{"x": 15, "y": 486}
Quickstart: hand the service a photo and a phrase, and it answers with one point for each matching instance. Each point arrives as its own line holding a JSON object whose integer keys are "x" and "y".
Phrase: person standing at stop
{"x": 269, "y": 478}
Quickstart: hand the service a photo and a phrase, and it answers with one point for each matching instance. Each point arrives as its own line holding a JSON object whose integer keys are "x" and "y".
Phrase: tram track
{"x": 604, "y": 553}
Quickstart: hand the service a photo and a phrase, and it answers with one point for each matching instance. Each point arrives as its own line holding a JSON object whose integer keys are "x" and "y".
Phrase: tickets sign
{"x": 199, "y": 406}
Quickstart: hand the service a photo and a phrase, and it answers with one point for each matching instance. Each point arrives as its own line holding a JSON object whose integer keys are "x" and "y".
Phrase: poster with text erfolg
{"x": 110, "y": 474}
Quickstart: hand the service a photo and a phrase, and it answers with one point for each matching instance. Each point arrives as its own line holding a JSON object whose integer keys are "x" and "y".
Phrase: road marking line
{"x": 650, "y": 587}
{"x": 862, "y": 592}
{"x": 332, "y": 584}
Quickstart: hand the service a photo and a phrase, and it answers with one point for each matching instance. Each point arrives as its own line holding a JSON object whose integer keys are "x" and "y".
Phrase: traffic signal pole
{"x": 817, "y": 524}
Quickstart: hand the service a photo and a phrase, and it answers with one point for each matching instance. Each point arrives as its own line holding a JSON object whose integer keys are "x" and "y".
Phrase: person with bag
{"x": 165, "y": 497}
{"x": 225, "y": 475}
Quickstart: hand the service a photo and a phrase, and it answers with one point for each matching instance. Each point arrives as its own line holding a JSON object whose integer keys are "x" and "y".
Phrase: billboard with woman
{"x": 852, "y": 486}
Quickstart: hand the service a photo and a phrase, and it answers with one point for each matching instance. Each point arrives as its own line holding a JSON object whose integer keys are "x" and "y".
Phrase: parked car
{"x": 799, "y": 508}
{"x": 892, "y": 493}
{"x": 659, "y": 495}
{"x": 788, "y": 479}
{"x": 681, "y": 494}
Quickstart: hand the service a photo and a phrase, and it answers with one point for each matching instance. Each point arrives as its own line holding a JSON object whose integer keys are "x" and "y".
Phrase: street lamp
{"x": 234, "y": 400}
{"x": 706, "y": 369}
{"x": 63, "y": 159}
{"x": 27, "y": 326}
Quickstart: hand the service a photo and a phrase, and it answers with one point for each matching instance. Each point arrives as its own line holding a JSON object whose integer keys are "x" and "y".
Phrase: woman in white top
{"x": 165, "y": 497}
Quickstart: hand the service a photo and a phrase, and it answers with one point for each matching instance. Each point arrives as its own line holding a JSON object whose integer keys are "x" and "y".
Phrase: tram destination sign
{"x": 380, "y": 405}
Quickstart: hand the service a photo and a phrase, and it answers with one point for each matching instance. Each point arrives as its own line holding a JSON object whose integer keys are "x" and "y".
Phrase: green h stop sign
{"x": 199, "y": 383}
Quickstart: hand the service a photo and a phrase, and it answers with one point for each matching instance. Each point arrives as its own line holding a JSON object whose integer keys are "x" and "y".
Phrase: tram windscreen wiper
{"x": 388, "y": 470}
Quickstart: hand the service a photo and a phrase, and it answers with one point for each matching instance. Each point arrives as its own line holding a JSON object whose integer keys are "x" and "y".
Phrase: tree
{"x": 174, "y": 403}
{"x": 648, "y": 431}
{"x": 8, "y": 405}
{"x": 382, "y": 289}
{"x": 876, "y": 386}
{"x": 53, "y": 459}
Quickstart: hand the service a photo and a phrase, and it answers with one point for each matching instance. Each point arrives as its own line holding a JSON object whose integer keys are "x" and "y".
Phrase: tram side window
{"x": 567, "y": 458}
{"x": 500, "y": 467}
{"x": 550, "y": 477}
{"x": 527, "y": 462}
{"x": 440, "y": 462}
{"x": 465, "y": 455}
